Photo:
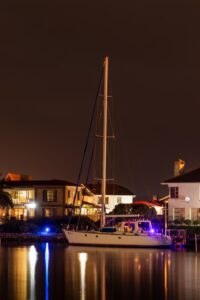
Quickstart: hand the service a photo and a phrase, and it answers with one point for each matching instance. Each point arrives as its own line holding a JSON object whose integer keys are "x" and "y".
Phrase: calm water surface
{"x": 49, "y": 271}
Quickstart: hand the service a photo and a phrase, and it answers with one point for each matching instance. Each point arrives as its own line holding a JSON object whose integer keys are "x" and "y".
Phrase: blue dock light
{"x": 47, "y": 229}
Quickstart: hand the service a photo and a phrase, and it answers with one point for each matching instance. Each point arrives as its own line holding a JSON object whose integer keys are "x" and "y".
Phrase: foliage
{"x": 136, "y": 209}
{"x": 5, "y": 200}
{"x": 178, "y": 222}
{"x": 195, "y": 222}
{"x": 188, "y": 222}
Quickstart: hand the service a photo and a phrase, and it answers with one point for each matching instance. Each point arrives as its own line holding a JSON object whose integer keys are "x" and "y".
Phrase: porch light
{"x": 187, "y": 199}
{"x": 31, "y": 205}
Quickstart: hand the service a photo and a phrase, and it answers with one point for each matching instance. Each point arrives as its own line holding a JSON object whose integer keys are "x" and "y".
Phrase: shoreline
{"x": 31, "y": 237}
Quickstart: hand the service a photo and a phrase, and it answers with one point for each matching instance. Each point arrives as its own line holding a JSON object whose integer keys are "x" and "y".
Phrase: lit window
{"x": 49, "y": 196}
{"x": 49, "y": 212}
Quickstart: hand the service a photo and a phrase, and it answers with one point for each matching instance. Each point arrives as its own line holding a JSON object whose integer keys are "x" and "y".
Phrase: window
{"x": 179, "y": 214}
{"x": 49, "y": 196}
{"x": 195, "y": 214}
{"x": 49, "y": 212}
{"x": 68, "y": 194}
{"x": 100, "y": 200}
{"x": 174, "y": 193}
{"x": 119, "y": 200}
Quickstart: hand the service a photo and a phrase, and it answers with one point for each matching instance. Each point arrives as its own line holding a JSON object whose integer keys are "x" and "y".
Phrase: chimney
{"x": 179, "y": 167}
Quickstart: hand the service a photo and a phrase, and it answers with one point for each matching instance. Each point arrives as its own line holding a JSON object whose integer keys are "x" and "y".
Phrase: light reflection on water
{"x": 32, "y": 263}
{"x": 83, "y": 260}
{"x": 47, "y": 271}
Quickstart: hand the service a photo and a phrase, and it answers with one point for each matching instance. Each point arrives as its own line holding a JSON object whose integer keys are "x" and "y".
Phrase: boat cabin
{"x": 136, "y": 227}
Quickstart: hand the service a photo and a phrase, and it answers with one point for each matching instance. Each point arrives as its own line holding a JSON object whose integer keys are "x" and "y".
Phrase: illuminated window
{"x": 49, "y": 212}
{"x": 49, "y": 196}
{"x": 174, "y": 192}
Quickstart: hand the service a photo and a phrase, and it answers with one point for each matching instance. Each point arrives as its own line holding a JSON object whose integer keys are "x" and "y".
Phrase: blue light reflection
{"x": 47, "y": 271}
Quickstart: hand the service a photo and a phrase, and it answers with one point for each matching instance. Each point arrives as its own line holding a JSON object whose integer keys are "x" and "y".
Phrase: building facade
{"x": 47, "y": 198}
{"x": 115, "y": 194}
{"x": 184, "y": 196}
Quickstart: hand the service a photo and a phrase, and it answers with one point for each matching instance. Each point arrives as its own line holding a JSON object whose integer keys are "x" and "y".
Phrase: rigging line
{"x": 110, "y": 121}
{"x": 87, "y": 142}
{"x": 87, "y": 179}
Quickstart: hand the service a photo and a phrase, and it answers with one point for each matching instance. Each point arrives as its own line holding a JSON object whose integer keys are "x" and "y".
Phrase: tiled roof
{"x": 147, "y": 203}
{"x": 192, "y": 176}
{"x": 32, "y": 183}
{"x": 111, "y": 189}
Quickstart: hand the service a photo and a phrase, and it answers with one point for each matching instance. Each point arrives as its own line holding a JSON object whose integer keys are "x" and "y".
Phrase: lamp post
{"x": 165, "y": 216}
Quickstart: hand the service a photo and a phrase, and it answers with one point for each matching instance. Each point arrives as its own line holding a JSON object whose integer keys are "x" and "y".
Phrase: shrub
{"x": 177, "y": 222}
{"x": 188, "y": 222}
{"x": 196, "y": 222}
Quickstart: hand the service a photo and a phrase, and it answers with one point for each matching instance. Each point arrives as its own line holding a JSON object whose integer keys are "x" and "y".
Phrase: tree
{"x": 135, "y": 209}
{"x": 5, "y": 200}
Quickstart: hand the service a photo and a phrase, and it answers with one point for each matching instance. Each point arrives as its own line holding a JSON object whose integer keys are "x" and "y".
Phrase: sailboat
{"x": 127, "y": 234}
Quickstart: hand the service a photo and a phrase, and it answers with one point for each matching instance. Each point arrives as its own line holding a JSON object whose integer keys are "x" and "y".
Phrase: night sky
{"x": 51, "y": 53}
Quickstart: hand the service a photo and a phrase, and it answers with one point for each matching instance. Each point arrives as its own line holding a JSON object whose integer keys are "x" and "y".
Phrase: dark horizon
{"x": 50, "y": 62}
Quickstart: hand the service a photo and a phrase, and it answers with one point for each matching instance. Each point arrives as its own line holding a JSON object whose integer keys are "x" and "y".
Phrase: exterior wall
{"x": 69, "y": 195}
{"x": 24, "y": 198}
{"x": 113, "y": 200}
{"x": 189, "y": 199}
{"x": 88, "y": 210}
{"x": 50, "y": 208}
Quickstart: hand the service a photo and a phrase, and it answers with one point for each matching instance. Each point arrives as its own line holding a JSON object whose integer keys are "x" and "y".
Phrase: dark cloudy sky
{"x": 51, "y": 54}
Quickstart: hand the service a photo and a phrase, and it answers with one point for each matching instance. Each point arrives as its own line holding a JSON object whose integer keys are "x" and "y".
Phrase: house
{"x": 184, "y": 195}
{"x": 48, "y": 198}
{"x": 115, "y": 194}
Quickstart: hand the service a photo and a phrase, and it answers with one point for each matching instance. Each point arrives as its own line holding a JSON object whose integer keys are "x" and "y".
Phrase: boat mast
{"x": 105, "y": 114}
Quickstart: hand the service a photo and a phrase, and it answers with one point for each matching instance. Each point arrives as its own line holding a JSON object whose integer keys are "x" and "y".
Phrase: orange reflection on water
{"x": 18, "y": 273}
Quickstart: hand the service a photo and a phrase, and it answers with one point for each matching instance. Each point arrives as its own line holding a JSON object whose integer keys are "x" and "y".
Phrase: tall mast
{"x": 105, "y": 114}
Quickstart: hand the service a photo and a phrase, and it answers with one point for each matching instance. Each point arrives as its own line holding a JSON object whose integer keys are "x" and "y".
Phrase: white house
{"x": 184, "y": 196}
{"x": 115, "y": 194}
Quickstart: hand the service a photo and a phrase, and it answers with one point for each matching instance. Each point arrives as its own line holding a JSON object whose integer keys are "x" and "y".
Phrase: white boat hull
{"x": 95, "y": 238}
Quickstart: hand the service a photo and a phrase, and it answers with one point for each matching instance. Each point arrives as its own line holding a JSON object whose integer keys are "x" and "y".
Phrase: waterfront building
{"x": 48, "y": 198}
{"x": 184, "y": 195}
{"x": 115, "y": 194}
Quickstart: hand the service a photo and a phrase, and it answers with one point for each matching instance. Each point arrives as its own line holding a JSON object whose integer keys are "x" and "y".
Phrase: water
{"x": 47, "y": 271}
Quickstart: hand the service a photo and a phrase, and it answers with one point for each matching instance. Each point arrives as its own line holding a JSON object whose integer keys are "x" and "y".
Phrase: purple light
{"x": 152, "y": 230}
